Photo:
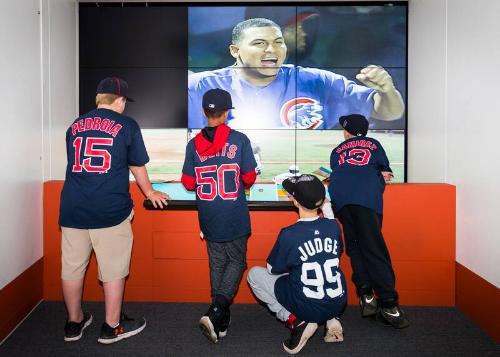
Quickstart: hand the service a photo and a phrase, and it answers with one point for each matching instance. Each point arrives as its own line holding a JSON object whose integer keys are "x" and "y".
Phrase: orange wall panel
{"x": 478, "y": 299}
{"x": 19, "y": 297}
{"x": 169, "y": 260}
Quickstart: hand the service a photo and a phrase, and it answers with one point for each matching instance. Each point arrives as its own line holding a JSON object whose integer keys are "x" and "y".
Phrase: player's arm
{"x": 388, "y": 103}
{"x": 384, "y": 165}
{"x": 158, "y": 198}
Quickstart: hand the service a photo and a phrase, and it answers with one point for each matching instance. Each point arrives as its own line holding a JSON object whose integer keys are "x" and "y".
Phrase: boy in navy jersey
{"x": 96, "y": 208}
{"x": 360, "y": 170}
{"x": 303, "y": 284}
{"x": 219, "y": 165}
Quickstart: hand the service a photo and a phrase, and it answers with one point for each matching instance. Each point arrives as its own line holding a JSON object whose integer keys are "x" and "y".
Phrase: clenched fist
{"x": 376, "y": 77}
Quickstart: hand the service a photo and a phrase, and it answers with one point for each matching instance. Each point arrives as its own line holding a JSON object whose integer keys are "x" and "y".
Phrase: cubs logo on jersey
{"x": 301, "y": 113}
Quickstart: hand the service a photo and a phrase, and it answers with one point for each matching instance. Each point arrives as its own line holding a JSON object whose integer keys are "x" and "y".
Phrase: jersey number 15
{"x": 91, "y": 152}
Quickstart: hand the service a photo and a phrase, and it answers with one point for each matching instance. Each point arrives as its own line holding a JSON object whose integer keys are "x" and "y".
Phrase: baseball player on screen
{"x": 268, "y": 94}
{"x": 218, "y": 166}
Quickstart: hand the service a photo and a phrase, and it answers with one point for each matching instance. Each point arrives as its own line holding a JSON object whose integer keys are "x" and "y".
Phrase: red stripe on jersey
{"x": 189, "y": 182}
{"x": 248, "y": 178}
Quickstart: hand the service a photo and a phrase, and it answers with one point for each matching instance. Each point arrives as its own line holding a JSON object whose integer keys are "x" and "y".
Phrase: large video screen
{"x": 292, "y": 71}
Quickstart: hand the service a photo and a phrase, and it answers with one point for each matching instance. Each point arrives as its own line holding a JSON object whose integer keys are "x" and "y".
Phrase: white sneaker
{"x": 334, "y": 331}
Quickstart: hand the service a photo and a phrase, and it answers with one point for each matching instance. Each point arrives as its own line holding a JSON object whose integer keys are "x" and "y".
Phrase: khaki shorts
{"x": 112, "y": 247}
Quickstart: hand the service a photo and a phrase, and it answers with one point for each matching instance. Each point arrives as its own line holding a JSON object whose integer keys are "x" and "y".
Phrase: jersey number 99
{"x": 319, "y": 279}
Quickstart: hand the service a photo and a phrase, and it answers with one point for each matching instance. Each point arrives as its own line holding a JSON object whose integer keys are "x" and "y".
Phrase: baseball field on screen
{"x": 278, "y": 150}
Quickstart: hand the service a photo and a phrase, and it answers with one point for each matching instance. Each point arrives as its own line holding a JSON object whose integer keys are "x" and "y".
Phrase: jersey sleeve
{"x": 383, "y": 161}
{"x": 136, "y": 150}
{"x": 188, "y": 175}
{"x": 346, "y": 97}
{"x": 334, "y": 159}
{"x": 195, "y": 94}
{"x": 248, "y": 164}
{"x": 277, "y": 260}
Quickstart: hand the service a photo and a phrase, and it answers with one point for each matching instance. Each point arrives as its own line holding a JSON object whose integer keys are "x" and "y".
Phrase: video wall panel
{"x": 292, "y": 72}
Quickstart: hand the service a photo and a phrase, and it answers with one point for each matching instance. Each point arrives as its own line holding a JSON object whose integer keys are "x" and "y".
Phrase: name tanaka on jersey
{"x": 228, "y": 150}
{"x": 317, "y": 245}
{"x": 356, "y": 143}
{"x": 106, "y": 125}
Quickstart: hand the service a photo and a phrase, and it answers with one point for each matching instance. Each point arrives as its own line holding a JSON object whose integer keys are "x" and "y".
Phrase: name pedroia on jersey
{"x": 356, "y": 143}
{"x": 228, "y": 150}
{"x": 96, "y": 123}
{"x": 310, "y": 248}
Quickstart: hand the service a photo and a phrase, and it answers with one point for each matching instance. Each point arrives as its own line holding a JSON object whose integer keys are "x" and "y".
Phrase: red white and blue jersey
{"x": 302, "y": 98}
{"x": 100, "y": 145}
{"x": 309, "y": 251}
{"x": 356, "y": 177}
{"x": 219, "y": 181}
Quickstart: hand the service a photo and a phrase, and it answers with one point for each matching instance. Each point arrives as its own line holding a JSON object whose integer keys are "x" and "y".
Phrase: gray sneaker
{"x": 126, "y": 328}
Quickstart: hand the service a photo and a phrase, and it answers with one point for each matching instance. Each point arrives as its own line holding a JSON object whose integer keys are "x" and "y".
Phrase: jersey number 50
{"x": 319, "y": 279}
{"x": 91, "y": 152}
{"x": 216, "y": 187}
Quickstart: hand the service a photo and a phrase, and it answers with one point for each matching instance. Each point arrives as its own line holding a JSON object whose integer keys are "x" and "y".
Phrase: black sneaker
{"x": 394, "y": 316}
{"x": 210, "y": 323}
{"x": 126, "y": 328}
{"x": 300, "y": 332}
{"x": 225, "y": 321}
{"x": 369, "y": 306}
{"x": 73, "y": 330}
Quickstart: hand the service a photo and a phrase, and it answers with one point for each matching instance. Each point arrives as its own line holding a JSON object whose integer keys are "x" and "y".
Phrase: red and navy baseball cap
{"x": 114, "y": 85}
{"x": 217, "y": 100}
{"x": 354, "y": 124}
{"x": 306, "y": 189}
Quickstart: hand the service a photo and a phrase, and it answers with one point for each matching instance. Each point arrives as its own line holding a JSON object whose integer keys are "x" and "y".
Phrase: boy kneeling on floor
{"x": 303, "y": 284}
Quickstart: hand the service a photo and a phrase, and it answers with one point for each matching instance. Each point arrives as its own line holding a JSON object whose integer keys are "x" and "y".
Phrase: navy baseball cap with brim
{"x": 216, "y": 100}
{"x": 114, "y": 85}
{"x": 354, "y": 124}
{"x": 306, "y": 189}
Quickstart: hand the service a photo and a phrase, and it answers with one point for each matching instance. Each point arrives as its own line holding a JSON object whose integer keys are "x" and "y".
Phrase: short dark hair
{"x": 256, "y": 22}
{"x": 214, "y": 114}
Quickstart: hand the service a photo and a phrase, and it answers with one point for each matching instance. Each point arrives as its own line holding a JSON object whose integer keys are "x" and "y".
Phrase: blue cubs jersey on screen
{"x": 303, "y": 98}
{"x": 220, "y": 196}
{"x": 356, "y": 177}
{"x": 100, "y": 145}
{"x": 309, "y": 250}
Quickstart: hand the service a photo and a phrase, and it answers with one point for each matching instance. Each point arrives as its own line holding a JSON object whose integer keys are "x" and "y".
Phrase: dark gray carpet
{"x": 172, "y": 330}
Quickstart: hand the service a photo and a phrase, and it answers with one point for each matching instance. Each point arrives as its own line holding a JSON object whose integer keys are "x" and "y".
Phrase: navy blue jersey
{"x": 100, "y": 145}
{"x": 309, "y": 250}
{"x": 356, "y": 177}
{"x": 220, "y": 195}
{"x": 302, "y": 98}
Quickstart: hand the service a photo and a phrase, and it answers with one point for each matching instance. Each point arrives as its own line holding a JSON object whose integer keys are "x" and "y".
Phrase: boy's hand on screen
{"x": 376, "y": 77}
{"x": 158, "y": 198}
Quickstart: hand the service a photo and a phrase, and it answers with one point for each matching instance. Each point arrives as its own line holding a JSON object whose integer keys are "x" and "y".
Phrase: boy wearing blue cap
{"x": 360, "y": 170}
